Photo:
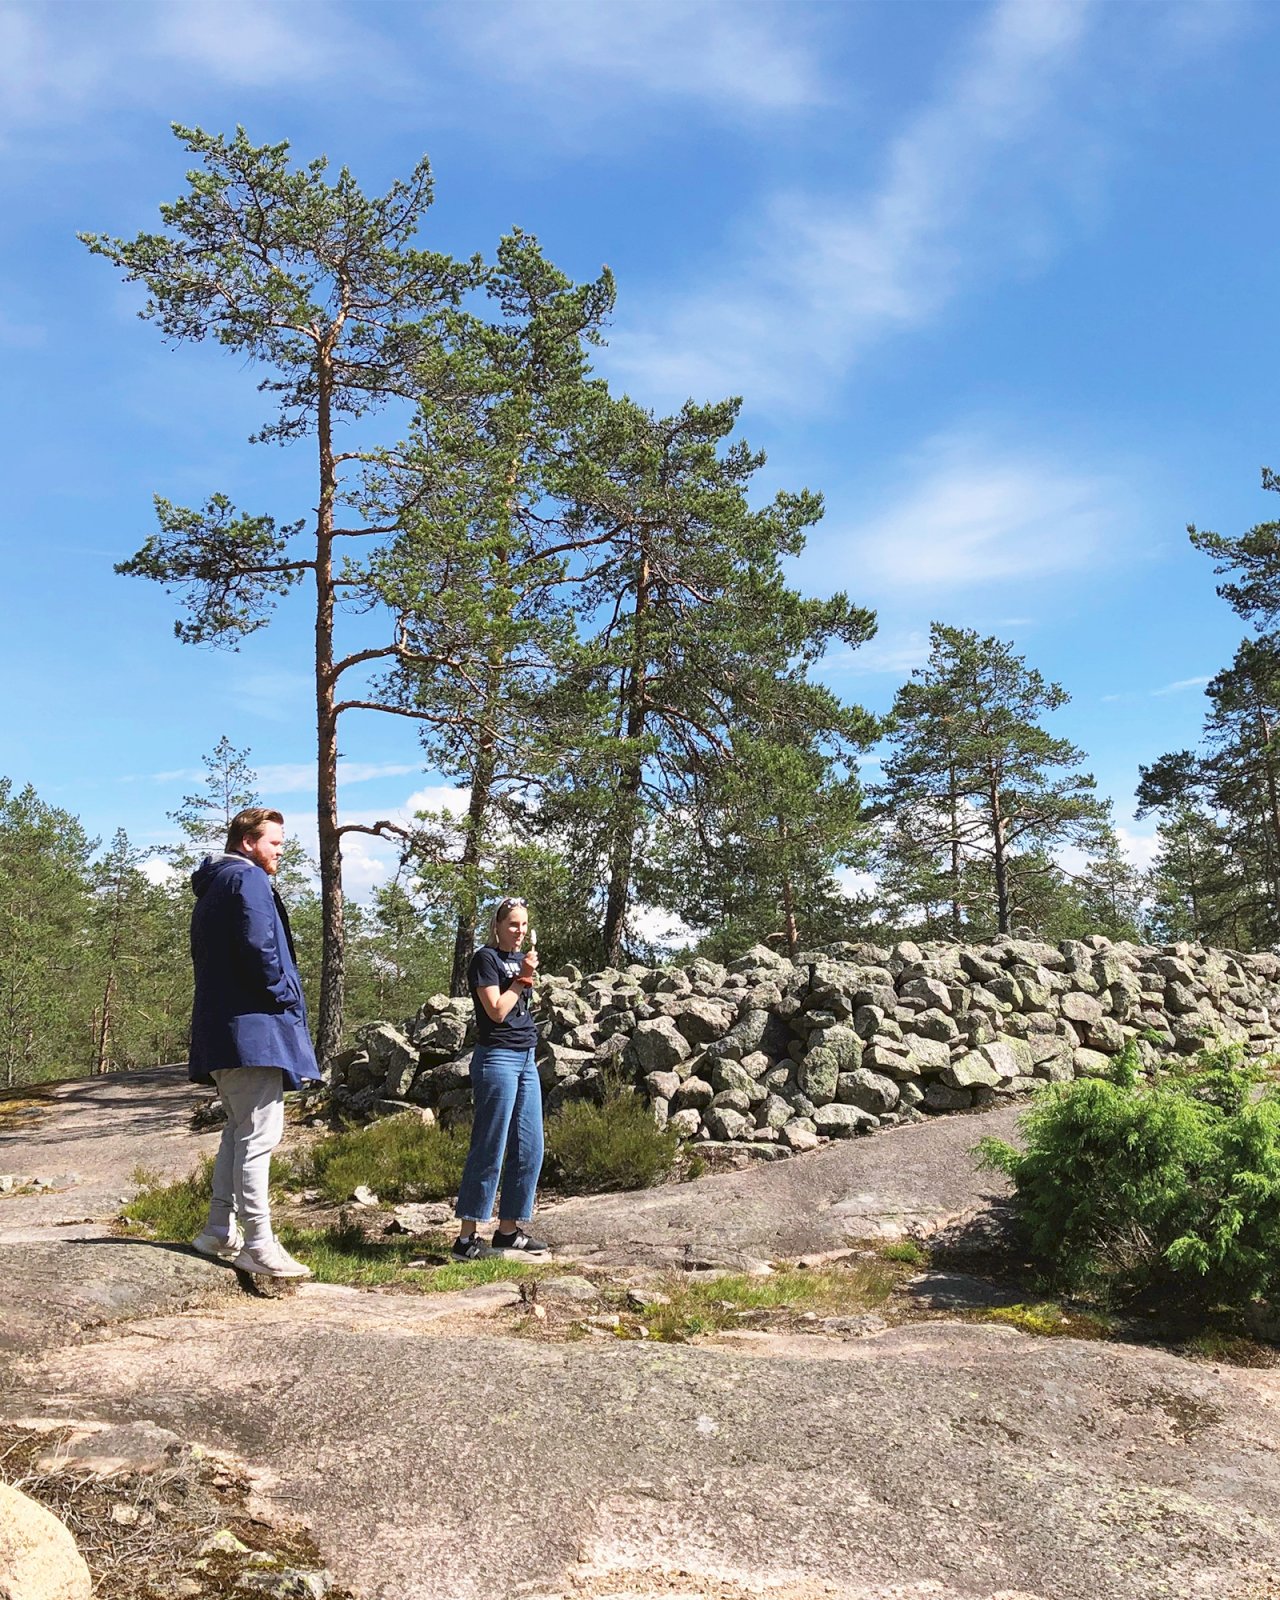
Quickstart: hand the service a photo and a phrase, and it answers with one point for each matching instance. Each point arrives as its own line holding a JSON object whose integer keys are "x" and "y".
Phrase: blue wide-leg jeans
{"x": 506, "y": 1136}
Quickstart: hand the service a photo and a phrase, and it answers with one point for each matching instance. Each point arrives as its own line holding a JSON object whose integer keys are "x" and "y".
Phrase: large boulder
{"x": 659, "y": 1045}
{"x": 38, "y": 1556}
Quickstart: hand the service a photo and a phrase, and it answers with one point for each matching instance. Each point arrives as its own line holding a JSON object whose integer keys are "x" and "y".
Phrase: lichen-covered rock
{"x": 799, "y": 1134}
{"x": 939, "y": 1096}
{"x": 659, "y": 1045}
{"x": 818, "y": 1075}
{"x": 970, "y": 1070}
{"x": 843, "y": 1121}
{"x": 870, "y": 1091}
{"x": 693, "y": 1094}
{"x": 721, "y": 1123}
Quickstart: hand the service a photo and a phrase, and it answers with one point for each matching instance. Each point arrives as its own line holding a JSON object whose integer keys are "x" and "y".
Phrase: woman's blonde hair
{"x": 500, "y": 911}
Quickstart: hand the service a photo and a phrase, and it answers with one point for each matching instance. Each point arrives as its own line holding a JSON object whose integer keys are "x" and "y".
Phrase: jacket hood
{"x": 214, "y": 867}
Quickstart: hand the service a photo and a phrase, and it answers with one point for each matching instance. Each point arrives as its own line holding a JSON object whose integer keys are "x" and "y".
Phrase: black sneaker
{"x": 519, "y": 1240}
{"x": 468, "y": 1247}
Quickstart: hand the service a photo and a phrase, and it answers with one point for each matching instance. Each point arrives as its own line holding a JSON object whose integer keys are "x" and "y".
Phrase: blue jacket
{"x": 249, "y": 1010}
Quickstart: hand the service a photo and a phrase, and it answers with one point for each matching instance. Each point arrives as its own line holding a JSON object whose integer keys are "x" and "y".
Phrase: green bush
{"x": 1168, "y": 1187}
{"x": 615, "y": 1145}
{"x": 399, "y": 1158}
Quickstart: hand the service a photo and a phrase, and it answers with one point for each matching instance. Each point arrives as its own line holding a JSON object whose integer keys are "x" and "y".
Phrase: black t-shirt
{"x": 492, "y": 967}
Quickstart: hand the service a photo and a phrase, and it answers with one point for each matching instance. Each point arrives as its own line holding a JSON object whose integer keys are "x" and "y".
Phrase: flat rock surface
{"x": 57, "y": 1289}
{"x": 913, "y": 1179}
{"x": 102, "y": 1130}
{"x": 939, "y": 1460}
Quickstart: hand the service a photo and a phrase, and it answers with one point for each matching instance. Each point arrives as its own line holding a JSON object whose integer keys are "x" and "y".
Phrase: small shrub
{"x": 1169, "y": 1187}
{"x": 399, "y": 1158}
{"x": 616, "y": 1145}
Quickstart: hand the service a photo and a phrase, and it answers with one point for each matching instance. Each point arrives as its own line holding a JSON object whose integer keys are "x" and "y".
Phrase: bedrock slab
{"x": 958, "y": 1462}
{"x": 913, "y": 1179}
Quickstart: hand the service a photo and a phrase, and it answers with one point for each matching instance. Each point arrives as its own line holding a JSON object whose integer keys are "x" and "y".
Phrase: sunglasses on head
{"x": 510, "y": 905}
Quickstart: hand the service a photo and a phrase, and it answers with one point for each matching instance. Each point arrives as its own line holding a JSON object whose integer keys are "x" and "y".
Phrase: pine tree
{"x": 45, "y": 1002}
{"x": 974, "y": 786}
{"x": 324, "y": 289}
{"x": 690, "y": 615}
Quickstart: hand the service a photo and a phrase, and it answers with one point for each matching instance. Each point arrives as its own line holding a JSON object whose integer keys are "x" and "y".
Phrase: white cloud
{"x": 975, "y": 185}
{"x": 278, "y": 695}
{"x": 293, "y": 777}
{"x": 1139, "y": 847}
{"x": 897, "y": 656}
{"x": 735, "y": 58}
{"x": 974, "y": 517}
{"x": 1181, "y": 684}
{"x": 253, "y": 45}
{"x": 61, "y": 64}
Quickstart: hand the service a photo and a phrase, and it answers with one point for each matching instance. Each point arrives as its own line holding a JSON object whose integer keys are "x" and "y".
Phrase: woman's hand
{"x": 529, "y": 968}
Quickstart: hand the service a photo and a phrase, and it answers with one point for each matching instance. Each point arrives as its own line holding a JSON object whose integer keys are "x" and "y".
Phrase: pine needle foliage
{"x": 1165, "y": 1188}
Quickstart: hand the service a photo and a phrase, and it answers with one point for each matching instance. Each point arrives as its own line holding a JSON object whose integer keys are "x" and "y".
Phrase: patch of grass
{"x": 701, "y": 1307}
{"x": 593, "y": 1148}
{"x": 1050, "y": 1320}
{"x": 346, "y": 1254}
{"x": 399, "y": 1158}
{"x": 178, "y": 1211}
{"x": 1231, "y": 1349}
{"x": 171, "y": 1210}
{"x": 905, "y": 1251}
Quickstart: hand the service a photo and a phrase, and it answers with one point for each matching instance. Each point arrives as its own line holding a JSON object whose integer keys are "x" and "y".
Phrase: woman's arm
{"x": 498, "y": 1005}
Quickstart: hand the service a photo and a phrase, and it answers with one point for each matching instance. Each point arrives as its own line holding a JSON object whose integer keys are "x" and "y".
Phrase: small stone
{"x": 364, "y": 1196}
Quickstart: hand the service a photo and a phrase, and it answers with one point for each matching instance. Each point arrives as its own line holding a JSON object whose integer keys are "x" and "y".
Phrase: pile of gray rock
{"x": 782, "y": 1054}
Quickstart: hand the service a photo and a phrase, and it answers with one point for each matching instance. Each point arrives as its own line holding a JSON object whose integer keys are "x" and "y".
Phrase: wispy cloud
{"x": 734, "y": 58}
{"x": 60, "y": 64}
{"x": 964, "y": 187}
{"x": 1182, "y": 684}
{"x": 1179, "y": 687}
{"x": 974, "y": 516}
{"x": 896, "y": 656}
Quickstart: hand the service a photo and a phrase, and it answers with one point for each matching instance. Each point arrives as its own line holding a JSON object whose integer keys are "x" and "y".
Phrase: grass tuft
{"x": 905, "y": 1251}
{"x": 702, "y": 1307}
{"x": 1050, "y": 1320}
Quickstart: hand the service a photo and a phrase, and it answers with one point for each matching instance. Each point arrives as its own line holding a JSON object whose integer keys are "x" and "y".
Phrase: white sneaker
{"x": 270, "y": 1260}
{"x": 218, "y": 1247}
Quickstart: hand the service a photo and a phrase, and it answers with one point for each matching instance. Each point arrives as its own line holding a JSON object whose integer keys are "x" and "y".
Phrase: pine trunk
{"x": 622, "y": 856}
{"x": 332, "y": 972}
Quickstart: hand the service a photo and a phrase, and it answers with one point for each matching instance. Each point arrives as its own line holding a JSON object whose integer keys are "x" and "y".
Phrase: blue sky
{"x": 998, "y": 279}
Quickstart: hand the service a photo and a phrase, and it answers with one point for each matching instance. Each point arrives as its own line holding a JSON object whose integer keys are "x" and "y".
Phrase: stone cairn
{"x": 775, "y": 1056}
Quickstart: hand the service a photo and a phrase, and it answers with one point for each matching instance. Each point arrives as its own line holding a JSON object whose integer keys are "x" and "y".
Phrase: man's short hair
{"x": 248, "y": 824}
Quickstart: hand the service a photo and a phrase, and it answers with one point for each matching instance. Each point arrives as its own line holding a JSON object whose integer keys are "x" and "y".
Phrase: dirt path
{"x": 101, "y": 1130}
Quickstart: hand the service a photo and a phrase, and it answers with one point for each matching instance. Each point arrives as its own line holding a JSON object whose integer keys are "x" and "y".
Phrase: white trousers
{"x": 254, "y": 1102}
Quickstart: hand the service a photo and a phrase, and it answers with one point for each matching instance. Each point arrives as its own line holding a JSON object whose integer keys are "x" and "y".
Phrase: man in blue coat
{"x": 248, "y": 1034}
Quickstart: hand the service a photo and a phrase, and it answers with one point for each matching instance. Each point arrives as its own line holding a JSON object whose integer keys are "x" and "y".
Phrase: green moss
{"x": 1050, "y": 1320}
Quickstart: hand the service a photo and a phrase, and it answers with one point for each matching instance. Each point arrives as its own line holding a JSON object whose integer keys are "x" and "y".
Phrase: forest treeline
{"x": 579, "y": 607}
